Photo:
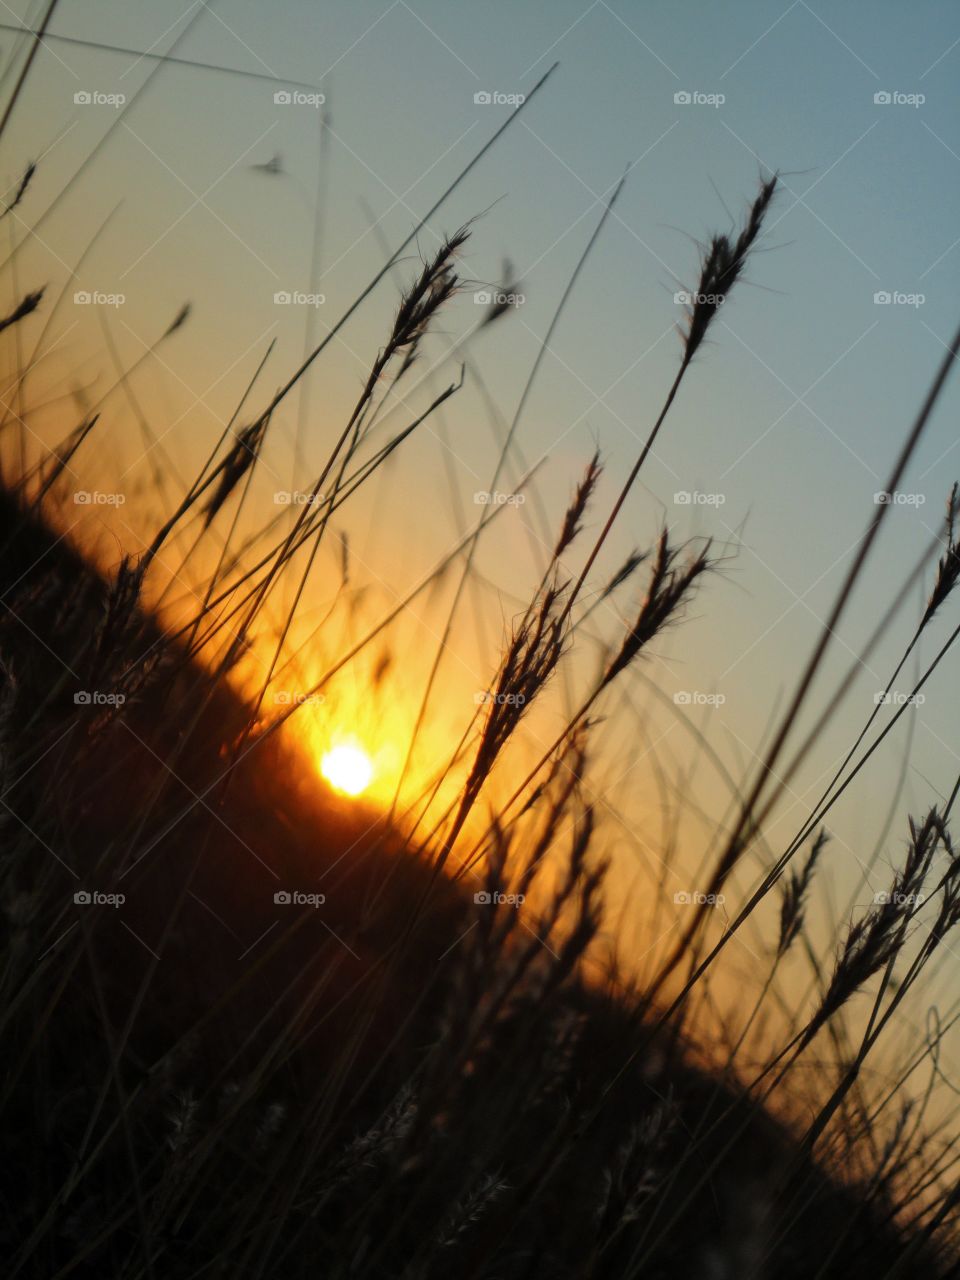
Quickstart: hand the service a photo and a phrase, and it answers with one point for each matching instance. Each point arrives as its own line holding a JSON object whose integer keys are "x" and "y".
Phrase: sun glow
{"x": 354, "y": 735}
{"x": 348, "y": 769}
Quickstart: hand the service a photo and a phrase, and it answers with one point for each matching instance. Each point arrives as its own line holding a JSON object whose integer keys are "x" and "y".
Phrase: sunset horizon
{"x": 481, "y": 519}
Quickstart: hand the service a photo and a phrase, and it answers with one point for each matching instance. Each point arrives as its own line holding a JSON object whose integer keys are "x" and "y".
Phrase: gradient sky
{"x": 793, "y": 414}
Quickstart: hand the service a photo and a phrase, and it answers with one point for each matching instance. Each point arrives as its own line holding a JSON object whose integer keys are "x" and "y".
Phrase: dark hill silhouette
{"x": 203, "y": 1081}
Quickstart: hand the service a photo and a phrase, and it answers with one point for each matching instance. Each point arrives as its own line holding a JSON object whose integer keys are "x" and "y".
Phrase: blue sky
{"x": 789, "y": 419}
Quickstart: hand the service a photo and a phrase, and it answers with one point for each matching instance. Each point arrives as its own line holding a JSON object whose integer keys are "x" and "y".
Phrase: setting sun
{"x": 347, "y": 769}
{"x": 455, "y": 852}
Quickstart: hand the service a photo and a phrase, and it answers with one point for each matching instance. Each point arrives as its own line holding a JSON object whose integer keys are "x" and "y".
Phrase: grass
{"x": 414, "y": 1061}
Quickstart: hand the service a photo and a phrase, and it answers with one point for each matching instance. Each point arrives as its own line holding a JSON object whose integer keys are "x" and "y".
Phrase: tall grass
{"x": 253, "y": 1030}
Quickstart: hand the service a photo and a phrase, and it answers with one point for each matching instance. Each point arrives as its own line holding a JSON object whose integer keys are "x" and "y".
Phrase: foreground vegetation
{"x": 251, "y": 1030}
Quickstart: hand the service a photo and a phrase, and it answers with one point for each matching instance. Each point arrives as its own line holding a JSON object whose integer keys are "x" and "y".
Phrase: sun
{"x": 347, "y": 769}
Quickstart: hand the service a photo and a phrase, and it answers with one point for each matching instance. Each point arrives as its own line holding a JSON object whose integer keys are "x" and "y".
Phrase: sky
{"x": 786, "y": 426}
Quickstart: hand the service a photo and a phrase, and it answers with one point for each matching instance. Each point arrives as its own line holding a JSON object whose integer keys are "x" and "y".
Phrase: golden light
{"x": 347, "y": 769}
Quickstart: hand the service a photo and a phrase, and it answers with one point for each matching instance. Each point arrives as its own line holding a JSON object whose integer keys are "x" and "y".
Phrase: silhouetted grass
{"x": 413, "y": 1077}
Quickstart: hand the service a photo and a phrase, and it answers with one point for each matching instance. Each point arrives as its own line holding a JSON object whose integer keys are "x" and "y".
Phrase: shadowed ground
{"x": 204, "y": 1082}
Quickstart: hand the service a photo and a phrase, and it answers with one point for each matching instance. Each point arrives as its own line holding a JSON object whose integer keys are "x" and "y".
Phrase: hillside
{"x": 203, "y": 1081}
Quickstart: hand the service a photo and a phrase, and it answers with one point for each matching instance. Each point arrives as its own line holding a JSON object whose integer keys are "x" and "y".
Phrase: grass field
{"x": 260, "y": 1021}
